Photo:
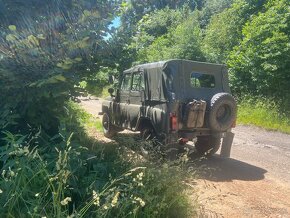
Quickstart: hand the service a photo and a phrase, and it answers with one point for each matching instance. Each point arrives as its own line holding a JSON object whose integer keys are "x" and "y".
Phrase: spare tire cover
{"x": 222, "y": 112}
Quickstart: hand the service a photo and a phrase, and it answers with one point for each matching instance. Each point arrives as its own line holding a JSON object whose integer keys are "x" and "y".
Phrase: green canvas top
{"x": 173, "y": 76}
{"x": 163, "y": 64}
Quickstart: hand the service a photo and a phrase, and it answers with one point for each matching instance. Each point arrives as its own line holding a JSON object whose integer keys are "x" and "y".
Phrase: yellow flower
{"x": 115, "y": 199}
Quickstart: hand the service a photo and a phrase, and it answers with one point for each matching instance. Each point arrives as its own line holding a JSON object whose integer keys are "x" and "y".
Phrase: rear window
{"x": 201, "y": 80}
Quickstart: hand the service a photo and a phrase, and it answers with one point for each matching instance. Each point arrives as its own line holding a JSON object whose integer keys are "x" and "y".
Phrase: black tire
{"x": 108, "y": 128}
{"x": 222, "y": 112}
{"x": 207, "y": 145}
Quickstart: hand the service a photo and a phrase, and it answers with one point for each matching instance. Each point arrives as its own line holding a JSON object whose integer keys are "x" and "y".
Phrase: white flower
{"x": 140, "y": 176}
{"x": 1, "y": 191}
{"x": 140, "y": 200}
{"x": 65, "y": 201}
{"x": 96, "y": 198}
{"x": 36, "y": 195}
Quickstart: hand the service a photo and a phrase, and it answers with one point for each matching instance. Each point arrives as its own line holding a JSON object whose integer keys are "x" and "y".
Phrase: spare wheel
{"x": 223, "y": 112}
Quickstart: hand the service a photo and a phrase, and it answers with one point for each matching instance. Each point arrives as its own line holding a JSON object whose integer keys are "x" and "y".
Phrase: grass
{"x": 75, "y": 174}
{"x": 263, "y": 113}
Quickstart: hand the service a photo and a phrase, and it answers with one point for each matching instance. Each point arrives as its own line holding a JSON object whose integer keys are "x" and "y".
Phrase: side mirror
{"x": 111, "y": 91}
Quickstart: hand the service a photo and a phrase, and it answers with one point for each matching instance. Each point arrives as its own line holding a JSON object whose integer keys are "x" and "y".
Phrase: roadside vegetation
{"x": 75, "y": 174}
{"x": 52, "y": 51}
{"x": 264, "y": 113}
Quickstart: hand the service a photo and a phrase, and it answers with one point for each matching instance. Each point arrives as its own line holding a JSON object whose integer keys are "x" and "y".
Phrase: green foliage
{"x": 260, "y": 64}
{"x": 264, "y": 113}
{"x": 75, "y": 175}
{"x": 45, "y": 53}
{"x": 225, "y": 29}
{"x": 180, "y": 41}
{"x": 211, "y": 8}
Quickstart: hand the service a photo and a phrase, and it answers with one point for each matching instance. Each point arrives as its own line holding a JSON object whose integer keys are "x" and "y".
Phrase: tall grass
{"x": 264, "y": 113}
{"x": 75, "y": 174}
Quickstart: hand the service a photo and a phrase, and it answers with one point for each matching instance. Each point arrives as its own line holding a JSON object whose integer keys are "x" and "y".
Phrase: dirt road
{"x": 254, "y": 182}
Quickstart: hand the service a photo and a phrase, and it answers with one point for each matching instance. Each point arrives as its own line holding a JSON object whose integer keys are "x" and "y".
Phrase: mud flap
{"x": 227, "y": 145}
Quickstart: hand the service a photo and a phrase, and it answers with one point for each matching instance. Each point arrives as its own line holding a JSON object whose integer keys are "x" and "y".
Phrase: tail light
{"x": 173, "y": 121}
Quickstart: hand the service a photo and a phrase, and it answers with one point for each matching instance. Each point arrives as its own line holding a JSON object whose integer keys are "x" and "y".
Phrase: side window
{"x": 200, "y": 80}
{"x": 138, "y": 82}
{"x": 126, "y": 82}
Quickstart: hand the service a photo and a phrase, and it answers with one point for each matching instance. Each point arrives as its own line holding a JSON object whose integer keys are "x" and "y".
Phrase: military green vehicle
{"x": 174, "y": 101}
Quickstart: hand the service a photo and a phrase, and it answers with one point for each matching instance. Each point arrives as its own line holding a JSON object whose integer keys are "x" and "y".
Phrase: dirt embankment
{"x": 254, "y": 182}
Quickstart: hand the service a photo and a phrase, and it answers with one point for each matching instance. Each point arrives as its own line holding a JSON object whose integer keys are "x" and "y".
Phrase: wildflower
{"x": 140, "y": 184}
{"x": 139, "y": 200}
{"x": 65, "y": 201}
{"x": 140, "y": 176}
{"x": 115, "y": 199}
{"x": 36, "y": 195}
{"x": 3, "y": 173}
{"x": 12, "y": 173}
{"x": 1, "y": 191}
{"x": 184, "y": 158}
{"x": 96, "y": 198}
{"x": 105, "y": 207}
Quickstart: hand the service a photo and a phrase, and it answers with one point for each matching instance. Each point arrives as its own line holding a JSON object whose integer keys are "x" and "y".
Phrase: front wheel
{"x": 108, "y": 128}
{"x": 207, "y": 145}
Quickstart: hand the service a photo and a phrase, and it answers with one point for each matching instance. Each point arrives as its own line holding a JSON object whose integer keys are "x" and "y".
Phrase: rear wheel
{"x": 108, "y": 128}
{"x": 207, "y": 145}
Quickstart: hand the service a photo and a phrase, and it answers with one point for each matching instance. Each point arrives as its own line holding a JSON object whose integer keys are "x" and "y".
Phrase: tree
{"x": 225, "y": 29}
{"x": 261, "y": 63}
{"x": 45, "y": 53}
{"x": 181, "y": 41}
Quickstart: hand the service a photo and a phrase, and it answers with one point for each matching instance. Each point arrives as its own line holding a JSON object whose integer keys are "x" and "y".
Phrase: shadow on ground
{"x": 220, "y": 170}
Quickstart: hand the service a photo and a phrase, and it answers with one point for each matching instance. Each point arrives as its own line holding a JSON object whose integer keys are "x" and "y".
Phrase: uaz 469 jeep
{"x": 174, "y": 101}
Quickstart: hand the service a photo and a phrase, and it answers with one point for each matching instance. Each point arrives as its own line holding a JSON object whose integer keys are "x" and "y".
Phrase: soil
{"x": 254, "y": 182}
